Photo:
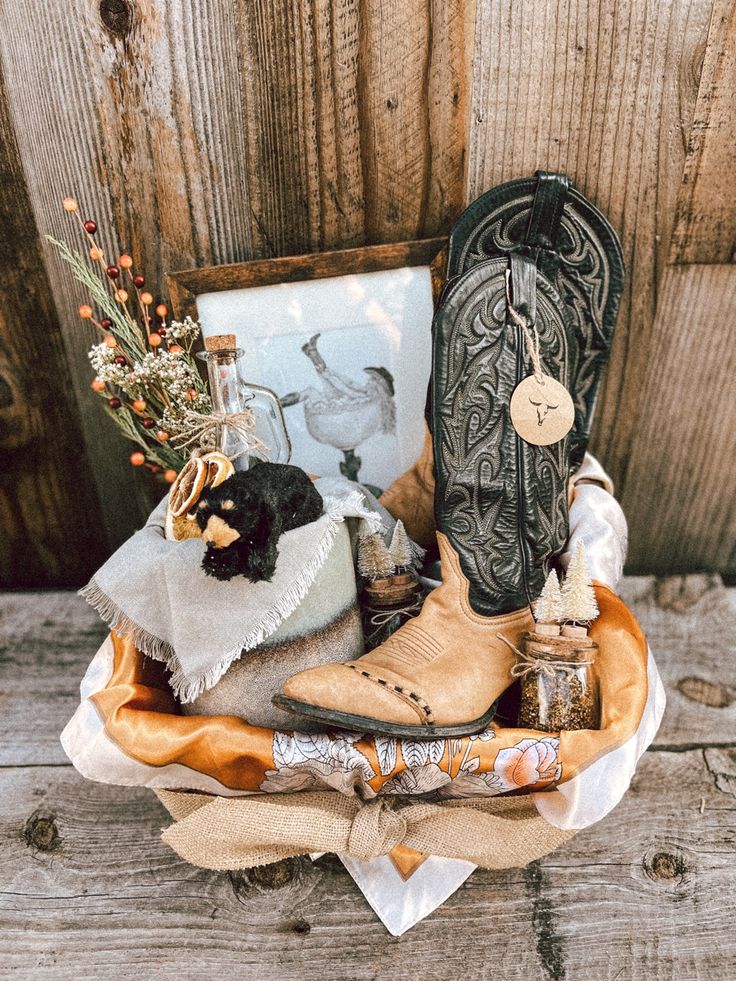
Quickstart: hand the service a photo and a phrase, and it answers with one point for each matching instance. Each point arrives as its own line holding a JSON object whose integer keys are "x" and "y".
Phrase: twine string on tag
{"x": 199, "y": 427}
{"x": 531, "y": 340}
{"x": 527, "y": 663}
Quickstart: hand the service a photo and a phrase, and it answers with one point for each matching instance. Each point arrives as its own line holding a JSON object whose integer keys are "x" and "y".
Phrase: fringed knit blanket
{"x": 156, "y": 591}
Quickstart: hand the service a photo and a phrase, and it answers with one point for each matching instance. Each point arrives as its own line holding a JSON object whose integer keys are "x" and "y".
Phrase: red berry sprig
{"x": 118, "y": 275}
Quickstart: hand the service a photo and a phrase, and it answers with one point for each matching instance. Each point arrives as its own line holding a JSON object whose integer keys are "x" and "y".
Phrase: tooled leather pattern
{"x": 586, "y": 269}
{"x": 501, "y": 502}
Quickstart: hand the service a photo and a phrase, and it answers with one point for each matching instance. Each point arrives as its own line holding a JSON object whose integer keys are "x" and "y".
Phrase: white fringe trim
{"x": 121, "y": 623}
{"x": 187, "y": 687}
{"x": 355, "y": 503}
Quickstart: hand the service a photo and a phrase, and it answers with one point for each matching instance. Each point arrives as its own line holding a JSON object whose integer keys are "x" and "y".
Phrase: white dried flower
{"x": 101, "y": 354}
{"x": 186, "y": 330}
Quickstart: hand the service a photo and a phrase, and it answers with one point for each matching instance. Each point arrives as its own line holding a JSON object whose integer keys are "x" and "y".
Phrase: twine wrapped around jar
{"x": 387, "y": 605}
{"x": 559, "y": 687}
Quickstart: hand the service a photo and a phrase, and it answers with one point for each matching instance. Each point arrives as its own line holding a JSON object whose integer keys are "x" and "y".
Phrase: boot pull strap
{"x": 549, "y": 200}
{"x": 523, "y": 285}
{"x": 541, "y": 233}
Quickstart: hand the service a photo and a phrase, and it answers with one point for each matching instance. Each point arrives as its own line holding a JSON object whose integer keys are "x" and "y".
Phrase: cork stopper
{"x": 220, "y": 342}
{"x": 548, "y": 629}
{"x": 564, "y": 648}
{"x": 572, "y": 631}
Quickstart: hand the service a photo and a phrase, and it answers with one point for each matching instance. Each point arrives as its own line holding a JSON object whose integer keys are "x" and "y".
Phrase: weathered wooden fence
{"x": 208, "y": 132}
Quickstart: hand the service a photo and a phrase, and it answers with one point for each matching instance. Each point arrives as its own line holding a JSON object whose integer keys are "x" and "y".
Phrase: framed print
{"x": 344, "y": 340}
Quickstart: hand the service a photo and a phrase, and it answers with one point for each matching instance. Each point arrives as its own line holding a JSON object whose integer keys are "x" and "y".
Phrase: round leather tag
{"x": 542, "y": 411}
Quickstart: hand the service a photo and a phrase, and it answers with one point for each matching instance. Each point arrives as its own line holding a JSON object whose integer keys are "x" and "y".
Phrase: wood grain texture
{"x": 356, "y": 113}
{"x": 128, "y": 125}
{"x": 705, "y": 225}
{"x": 682, "y": 453}
{"x": 644, "y": 895}
{"x": 187, "y": 285}
{"x": 49, "y": 513}
{"x": 198, "y": 133}
{"x": 299, "y": 65}
{"x": 606, "y": 93}
{"x": 411, "y": 85}
{"x": 690, "y": 623}
{"x": 48, "y": 639}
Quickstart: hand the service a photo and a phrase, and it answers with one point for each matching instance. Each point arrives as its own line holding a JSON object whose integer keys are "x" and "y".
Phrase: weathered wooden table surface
{"x": 87, "y": 890}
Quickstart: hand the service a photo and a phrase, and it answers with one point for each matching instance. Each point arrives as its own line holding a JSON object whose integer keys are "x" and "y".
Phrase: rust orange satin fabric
{"x": 143, "y": 719}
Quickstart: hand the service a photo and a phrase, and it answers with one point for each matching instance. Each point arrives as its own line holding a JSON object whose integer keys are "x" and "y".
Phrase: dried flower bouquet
{"x": 144, "y": 369}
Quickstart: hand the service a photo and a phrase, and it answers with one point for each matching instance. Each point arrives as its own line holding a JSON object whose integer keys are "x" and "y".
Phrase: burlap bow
{"x": 242, "y": 832}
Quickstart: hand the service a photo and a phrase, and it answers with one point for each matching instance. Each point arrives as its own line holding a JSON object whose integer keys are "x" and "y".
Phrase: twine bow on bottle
{"x": 203, "y": 429}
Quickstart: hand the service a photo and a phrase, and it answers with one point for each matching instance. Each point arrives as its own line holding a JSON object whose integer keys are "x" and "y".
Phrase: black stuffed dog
{"x": 243, "y": 518}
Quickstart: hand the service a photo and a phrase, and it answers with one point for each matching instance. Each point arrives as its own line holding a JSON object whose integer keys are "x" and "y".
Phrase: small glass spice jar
{"x": 387, "y": 604}
{"x": 559, "y": 685}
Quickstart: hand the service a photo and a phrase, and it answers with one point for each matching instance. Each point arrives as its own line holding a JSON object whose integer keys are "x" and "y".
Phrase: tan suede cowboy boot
{"x": 500, "y": 503}
{"x": 439, "y": 676}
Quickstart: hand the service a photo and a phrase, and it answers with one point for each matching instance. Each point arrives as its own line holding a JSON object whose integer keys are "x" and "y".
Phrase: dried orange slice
{"x": 219, "y": 468}
{"x": 208, "y": 470}
{"x": 187, "y": 487}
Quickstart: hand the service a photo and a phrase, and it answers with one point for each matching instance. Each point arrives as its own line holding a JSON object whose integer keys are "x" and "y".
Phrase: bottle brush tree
{"x": 400, "y": 550}
{"x": 548, "y": 608}
{"x": 374, "y": 560}
{"x": 579, "y": 605}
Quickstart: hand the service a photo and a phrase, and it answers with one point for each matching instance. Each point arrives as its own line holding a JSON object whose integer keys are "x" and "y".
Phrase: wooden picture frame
{"x": 354, "y": 405}
{"x": 185, "y": 286}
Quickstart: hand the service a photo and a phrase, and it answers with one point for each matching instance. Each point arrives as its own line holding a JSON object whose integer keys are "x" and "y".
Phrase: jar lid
{"x": 389, "y": 592}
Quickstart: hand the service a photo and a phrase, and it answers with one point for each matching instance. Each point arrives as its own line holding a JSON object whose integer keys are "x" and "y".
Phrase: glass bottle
{"x": 230, "y": 393}
{"x": 559, "y": 685}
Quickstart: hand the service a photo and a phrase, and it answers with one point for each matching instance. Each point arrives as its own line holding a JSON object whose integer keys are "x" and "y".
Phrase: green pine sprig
{"x": 127, "y": 333}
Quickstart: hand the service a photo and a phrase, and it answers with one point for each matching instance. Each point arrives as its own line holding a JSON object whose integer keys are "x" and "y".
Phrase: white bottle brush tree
{"x": 400, "y": 549}
{"x": 374, "y": 559}
{"x": 579, "y": 606}
{"x": 548, "y": 608}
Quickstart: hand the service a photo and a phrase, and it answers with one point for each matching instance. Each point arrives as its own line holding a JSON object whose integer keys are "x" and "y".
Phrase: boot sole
{"x": 363, "y": 723}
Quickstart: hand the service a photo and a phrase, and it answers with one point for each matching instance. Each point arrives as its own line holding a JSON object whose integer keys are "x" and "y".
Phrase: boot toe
{"x": 341, "y": 689}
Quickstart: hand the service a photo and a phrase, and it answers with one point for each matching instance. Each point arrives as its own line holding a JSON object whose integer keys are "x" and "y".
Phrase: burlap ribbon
{"x": 242, "y": 832}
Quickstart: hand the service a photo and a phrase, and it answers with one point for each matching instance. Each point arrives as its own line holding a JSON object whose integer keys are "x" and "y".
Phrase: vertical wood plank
{"x": 705, "y": 227}
{"x": 299, "y": 70}
{"x": 145, "y": 130}
{"x": 606, "y": 93}
{"x": 49, "y": 514}
{"x": 357, "y": 116}
{"x": 412, "y": 99}
{"x": 680, "y": 502}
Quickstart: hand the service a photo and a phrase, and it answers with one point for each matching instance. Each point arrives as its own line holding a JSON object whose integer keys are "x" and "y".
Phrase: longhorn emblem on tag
{"x": 542, "y": 410}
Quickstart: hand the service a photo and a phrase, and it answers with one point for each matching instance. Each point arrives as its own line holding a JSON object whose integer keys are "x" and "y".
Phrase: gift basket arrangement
{"x": 424, "y": 682}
